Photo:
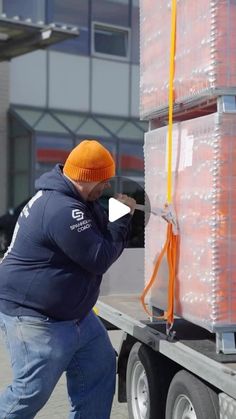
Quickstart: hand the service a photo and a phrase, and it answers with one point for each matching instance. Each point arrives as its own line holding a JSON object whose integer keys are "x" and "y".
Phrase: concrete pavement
{"x": 57, "y": 406}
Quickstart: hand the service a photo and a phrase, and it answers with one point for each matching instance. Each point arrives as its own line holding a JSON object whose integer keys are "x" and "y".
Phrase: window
{"x": 50, "y": 150}
{"x": 20, "y": 162}
{"x": 71, "y": 12}
{"x": 113, "y": 12}
{"x": 131, "y": 159}
{"x": 135, "y": 32}
{"x": 25, "y": 9}
{"x": 110, "y": 41}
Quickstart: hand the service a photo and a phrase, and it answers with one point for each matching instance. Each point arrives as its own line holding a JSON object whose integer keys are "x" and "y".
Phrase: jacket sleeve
{"x": 113, "y": 226}
{"x": 81, "y": 241}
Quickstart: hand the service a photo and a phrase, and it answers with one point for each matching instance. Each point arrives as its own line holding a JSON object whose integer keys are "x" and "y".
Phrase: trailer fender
{"x": 127, "y": 343}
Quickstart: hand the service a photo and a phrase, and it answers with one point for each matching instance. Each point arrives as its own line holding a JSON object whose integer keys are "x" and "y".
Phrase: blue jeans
{"x": 41, "y": 349}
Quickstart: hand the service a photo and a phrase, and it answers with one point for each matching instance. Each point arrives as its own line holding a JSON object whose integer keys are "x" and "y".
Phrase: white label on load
{"x": 189, "y": 150}
{"x": 182, "y": 150}
{"x": 186, "y": 154}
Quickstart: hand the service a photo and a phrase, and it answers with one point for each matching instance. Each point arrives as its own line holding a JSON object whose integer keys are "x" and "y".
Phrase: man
{"x": 49, "y": 283}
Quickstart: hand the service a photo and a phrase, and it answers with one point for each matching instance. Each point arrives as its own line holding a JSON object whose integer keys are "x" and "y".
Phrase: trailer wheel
{"x": 144, "y": 391}
{"x": 190, "y": 398}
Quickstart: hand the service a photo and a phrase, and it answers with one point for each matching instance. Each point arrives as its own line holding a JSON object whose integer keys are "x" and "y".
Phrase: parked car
{"x": 7, "y": 224}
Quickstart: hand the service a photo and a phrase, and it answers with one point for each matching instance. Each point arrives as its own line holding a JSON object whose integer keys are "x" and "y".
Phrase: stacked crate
{"x": 204, "y": 155}
{"x": 205, "y": 62}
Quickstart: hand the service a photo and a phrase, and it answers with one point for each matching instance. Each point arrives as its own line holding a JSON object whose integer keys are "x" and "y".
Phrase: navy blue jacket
{"x": 61, "y": 247}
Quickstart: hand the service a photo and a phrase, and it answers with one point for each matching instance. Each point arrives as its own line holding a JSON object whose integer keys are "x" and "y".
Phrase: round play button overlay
{"x": 116, "y": 209}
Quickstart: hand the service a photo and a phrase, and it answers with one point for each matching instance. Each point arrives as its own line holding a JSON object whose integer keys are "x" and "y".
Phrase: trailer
{"x": 165, "y": 377}
{"x": 190, "y": 373}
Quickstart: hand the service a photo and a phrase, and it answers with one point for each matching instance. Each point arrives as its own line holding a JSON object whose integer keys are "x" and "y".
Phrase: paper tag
{"x": 186, "y": 153}
{"x": 189, "y": 150}
{"x": 182, "y": 150}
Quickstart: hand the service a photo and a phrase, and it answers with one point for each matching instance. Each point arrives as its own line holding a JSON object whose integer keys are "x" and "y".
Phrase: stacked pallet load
{"x": 204, "y": 175}
{"x": 205, "y": 60}
{"x": 204, "y": 156}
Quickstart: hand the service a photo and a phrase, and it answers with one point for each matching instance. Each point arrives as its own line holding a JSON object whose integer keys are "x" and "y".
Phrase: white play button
{"x": 117, "y": 209}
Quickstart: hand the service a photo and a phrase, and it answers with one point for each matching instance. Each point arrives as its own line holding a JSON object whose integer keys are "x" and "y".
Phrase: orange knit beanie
{"x": 89, "y": 162}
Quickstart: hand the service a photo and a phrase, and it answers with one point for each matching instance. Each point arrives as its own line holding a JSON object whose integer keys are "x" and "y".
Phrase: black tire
{"x": 190, "y": 394}
{"x": 143, "y": 358}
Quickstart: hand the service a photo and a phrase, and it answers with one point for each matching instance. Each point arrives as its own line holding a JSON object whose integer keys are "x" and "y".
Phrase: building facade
{"x": 86, "y": 87}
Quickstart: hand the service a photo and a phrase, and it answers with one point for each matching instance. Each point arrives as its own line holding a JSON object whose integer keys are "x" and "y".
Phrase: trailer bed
{"x": 193, "y": 347}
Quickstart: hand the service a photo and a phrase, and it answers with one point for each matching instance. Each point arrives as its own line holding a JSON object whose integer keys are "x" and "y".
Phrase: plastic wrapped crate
{"x": 204, "y": 185}
{"x": 205, "y": 51}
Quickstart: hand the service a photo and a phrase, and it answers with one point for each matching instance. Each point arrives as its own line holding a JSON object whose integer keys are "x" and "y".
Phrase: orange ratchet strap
{"x": 172, "y": 239}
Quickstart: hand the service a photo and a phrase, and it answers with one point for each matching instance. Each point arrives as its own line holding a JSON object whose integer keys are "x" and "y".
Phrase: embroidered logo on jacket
{"x": 81, "y": 226}
{"x": 77, "y": 214}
